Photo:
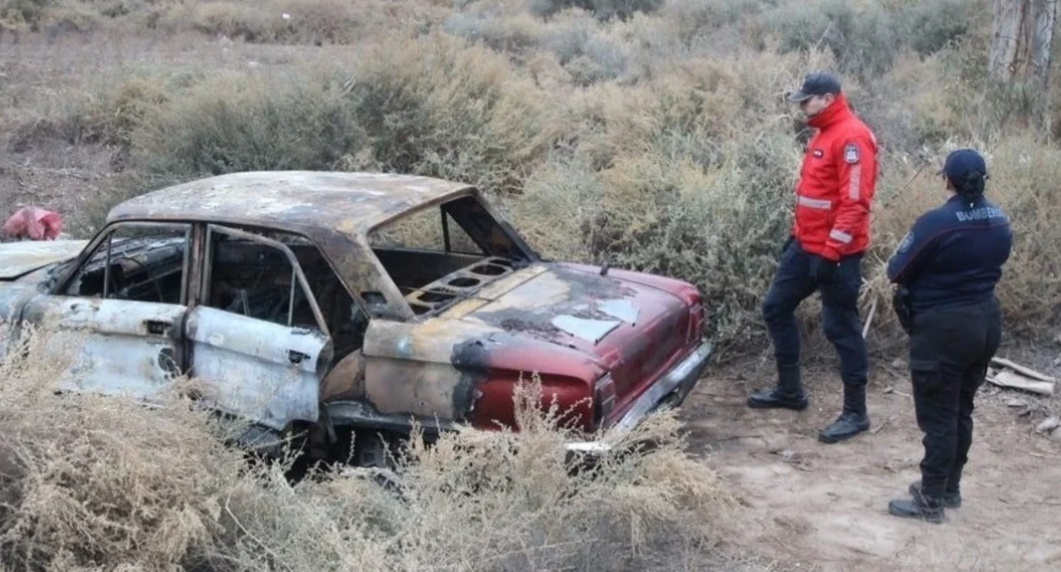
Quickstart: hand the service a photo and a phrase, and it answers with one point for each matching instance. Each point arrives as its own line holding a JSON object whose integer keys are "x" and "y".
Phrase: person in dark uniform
{"x": 946, "y": 269}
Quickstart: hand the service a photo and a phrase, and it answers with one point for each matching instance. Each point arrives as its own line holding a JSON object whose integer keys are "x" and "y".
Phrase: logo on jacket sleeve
{"x": 908, "y": 241}
{"x": 851, "y": 154}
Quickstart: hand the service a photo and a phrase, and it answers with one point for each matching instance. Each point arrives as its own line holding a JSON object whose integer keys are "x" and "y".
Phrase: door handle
{"x": 296, "y": 357}
{"x": 156, "y": 327}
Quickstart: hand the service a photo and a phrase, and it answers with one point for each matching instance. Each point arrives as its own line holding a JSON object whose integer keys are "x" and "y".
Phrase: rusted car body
{"x": 337, "y": 304}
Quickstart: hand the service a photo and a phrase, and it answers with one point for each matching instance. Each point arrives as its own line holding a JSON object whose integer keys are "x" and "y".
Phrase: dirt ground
{"x": 812, "y": 506}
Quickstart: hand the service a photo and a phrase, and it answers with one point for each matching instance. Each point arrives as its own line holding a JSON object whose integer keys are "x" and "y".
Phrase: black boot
{"x": 787, "y": 395}
{"x": 776, "y": 398}
{"x": 920, "y": 507}
{"x": 950, "y": 499}
{"x": 852, "y": 421}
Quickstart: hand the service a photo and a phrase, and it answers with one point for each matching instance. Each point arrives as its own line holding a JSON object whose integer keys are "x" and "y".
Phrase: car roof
{"x": 313, "y": 202}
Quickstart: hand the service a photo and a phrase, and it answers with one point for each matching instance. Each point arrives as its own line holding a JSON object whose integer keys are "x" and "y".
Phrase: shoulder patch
{"x": 907, "y": 241}
{"x": 851, "y": 153}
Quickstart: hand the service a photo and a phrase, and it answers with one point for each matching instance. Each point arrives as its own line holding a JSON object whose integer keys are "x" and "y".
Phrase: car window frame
{"x": 296, "y": 267}
{"x": 91, "y": 250}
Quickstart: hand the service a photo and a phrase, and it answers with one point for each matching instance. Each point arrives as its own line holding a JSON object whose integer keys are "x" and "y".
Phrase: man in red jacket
{"x": 824, "y": 253}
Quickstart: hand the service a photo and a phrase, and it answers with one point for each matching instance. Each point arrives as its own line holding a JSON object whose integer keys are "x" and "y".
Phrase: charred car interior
{"x": 146, "y": 263}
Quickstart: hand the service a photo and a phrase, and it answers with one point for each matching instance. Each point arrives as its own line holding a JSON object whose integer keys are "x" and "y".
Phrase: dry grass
{"x": 90, "y": 482}
{"x": 93, "y": 481}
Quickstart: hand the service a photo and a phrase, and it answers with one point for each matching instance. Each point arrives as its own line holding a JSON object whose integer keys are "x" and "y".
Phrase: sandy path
{"x": 812, "y": 506}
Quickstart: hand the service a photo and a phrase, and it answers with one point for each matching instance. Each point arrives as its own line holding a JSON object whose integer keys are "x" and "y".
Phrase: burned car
{"x": 352, "y": 304}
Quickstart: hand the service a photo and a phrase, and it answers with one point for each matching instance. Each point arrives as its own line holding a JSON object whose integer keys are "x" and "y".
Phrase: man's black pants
{"x": 950, "y": 350}
{"x": 794, "y": 282}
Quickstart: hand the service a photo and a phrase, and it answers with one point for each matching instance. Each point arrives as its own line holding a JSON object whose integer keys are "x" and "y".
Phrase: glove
{"x": 824, "y": 269}
{"x": 788, "y": 243}
{"x": 902, "y": 309}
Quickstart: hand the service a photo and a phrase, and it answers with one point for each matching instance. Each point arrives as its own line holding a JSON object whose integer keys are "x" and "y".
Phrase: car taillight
{"x": 603, "y": 399}
{"x": 696, "y": 322}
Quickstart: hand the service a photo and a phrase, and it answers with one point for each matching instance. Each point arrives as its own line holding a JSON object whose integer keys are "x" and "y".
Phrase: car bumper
{"x": 672, "y": 387}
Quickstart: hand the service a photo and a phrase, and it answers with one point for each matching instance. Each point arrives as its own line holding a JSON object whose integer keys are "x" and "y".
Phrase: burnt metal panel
{"x": 18, "y": 258}
{"x": 262, "y": 371}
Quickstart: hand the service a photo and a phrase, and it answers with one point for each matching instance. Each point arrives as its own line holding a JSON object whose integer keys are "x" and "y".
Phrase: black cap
{"x": 817, "y": 83}
{"x": 962, "y": 163}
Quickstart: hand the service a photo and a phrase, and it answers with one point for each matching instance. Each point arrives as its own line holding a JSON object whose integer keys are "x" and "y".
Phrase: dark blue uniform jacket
{"x": 953, "y": 254}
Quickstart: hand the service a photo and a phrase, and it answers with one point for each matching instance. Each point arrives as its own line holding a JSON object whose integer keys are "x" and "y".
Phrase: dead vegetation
{"x": 95, "y": 482}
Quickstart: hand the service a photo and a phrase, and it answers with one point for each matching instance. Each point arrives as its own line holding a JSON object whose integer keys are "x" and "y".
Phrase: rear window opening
{"x": 442, "y": 254}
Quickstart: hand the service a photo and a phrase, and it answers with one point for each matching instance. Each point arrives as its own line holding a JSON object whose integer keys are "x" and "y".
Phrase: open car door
{"x": 258, "y": 340}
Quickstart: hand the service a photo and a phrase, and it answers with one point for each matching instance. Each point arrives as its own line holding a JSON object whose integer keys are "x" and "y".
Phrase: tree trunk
{"x": 1020, "y": 47}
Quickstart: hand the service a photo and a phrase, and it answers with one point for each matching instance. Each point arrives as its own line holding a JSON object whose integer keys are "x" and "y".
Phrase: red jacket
{"x": 836, "y": 184}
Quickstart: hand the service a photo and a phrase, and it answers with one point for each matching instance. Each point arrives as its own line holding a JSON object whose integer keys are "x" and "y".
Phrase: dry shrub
{"x": 17, "y": 15}
{"x": 107, "y": 112}
{"x": 587, "y": 51}
{"x": 111, "y": 114}
{"x": 694, "y": 23}
{"x": 601, "y": 9}
{"x": 248, "y": 122}
{"x": 434, "y": 107}
{"x": 484, "y": 500}
{"x": 94, "y": 482}
{"x": 515, "y": 33}
{"x": 1023, "y": 182}
{"x": 441, "y": 107}
{"x": 272, "y": 22}
{"x": 556, "y": 209}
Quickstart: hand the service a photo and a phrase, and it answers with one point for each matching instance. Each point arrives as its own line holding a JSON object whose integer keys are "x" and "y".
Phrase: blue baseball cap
{"x": 962, "y": 163}
{"x": 816, "y": 83}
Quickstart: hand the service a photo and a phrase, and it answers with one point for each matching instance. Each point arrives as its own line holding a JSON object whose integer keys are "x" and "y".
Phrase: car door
{"x": 117, "y": 314}
{"x": 257, "y": 340}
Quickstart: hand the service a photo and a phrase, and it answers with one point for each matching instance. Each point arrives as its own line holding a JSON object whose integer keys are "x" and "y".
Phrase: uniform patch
{"x": 818, "y": 153}
{"x": 851, "y": 154}
{"x": 907, "y": 241}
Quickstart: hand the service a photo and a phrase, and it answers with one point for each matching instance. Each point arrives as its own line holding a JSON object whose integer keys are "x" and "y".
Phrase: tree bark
{"x": 1020, "y": 46}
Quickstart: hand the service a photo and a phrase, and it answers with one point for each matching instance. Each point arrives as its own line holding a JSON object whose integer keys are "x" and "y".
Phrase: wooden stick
{"x": 1010, "y": 379}
{"x": 1021, "y": 369}
{"x": 869, "y": 319}
{"x": 877, "y": 429}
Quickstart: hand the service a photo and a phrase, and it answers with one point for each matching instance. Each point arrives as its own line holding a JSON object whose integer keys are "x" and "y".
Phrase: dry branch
{"x": 1018, "y": 381}
{"x": 1022, "y": 370}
